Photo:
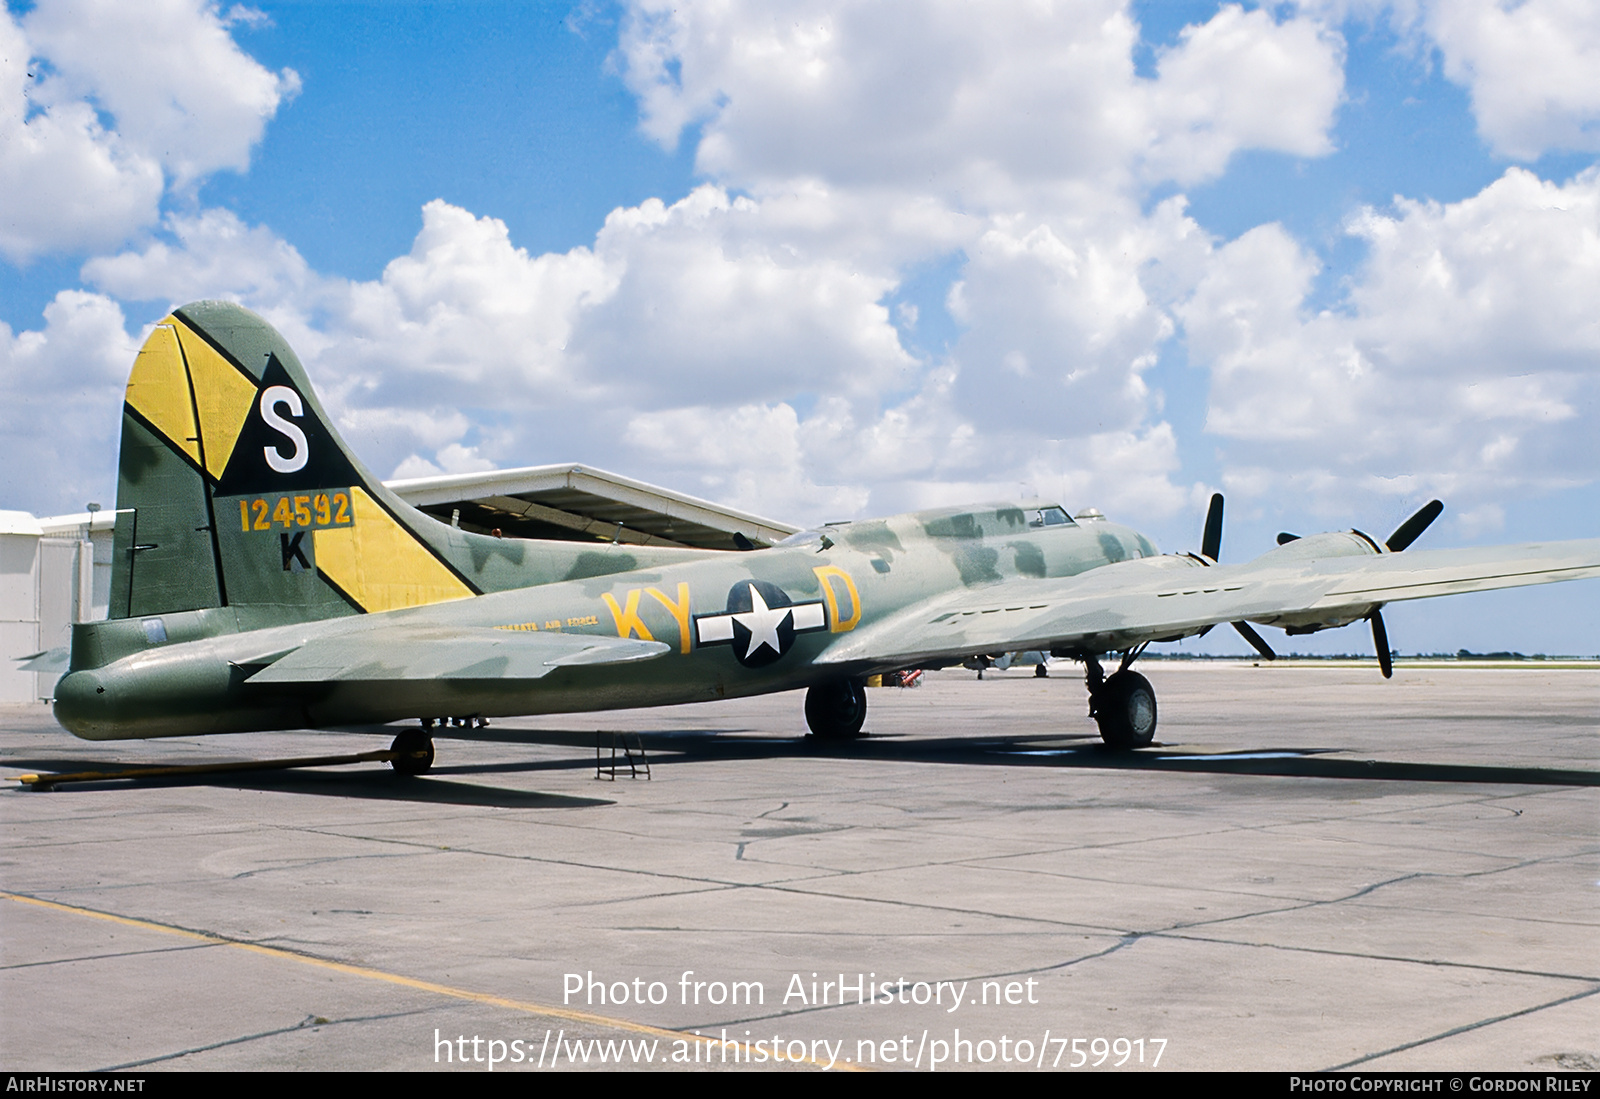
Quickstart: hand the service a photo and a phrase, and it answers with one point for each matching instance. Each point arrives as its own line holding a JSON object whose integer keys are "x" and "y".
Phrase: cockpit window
{"x": 803, "y": 538}
{"x": 1049, "y": 517}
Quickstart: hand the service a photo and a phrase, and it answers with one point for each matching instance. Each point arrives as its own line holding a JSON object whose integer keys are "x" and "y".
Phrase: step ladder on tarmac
{"x": 633, "y": 759}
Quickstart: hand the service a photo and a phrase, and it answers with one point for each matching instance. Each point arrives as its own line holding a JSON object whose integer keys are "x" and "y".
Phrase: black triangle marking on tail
{"x": 283, "y": 446}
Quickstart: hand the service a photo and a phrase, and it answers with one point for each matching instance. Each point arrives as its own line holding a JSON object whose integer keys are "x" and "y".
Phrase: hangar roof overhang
{"x": 581, "y": 503}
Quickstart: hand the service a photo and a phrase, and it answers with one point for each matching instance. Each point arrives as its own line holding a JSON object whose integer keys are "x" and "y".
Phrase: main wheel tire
{"x": 1125, "y": 710}
{"x": 837, "y": 710}
{"x": 413, "y": 753}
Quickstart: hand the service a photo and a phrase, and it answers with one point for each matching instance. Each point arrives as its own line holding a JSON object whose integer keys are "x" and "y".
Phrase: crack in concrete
{"x": 310, "y": 1021}
{"x": 1371, "y": 956}
{"x": 1465, "y": 1028}
{"x": 103, "y": 957}
{"x": 306, "y": 864}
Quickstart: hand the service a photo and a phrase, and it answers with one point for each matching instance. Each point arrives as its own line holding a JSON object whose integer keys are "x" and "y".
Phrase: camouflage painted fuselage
{"x": 191, "y": 672}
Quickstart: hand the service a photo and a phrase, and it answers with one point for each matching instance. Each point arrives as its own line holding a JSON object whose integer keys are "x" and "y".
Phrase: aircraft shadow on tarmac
{"x": 373, "y": 781}
{"x": 1048, "y": 750}
{"x": 667, "y": 748}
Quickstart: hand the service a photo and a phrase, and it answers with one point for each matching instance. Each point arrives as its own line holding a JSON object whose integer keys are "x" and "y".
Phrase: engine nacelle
{"x": 1316, "y": 547}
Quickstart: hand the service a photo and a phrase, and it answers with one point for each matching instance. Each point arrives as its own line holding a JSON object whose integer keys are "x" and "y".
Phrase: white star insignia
{"x": 762, "y": 622}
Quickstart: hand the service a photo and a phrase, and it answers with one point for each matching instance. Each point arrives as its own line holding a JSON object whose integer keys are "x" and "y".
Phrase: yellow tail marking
{"x": 380, "y": 564}
{"x": 158, "y": 390}
{"x": 224, "y": 396}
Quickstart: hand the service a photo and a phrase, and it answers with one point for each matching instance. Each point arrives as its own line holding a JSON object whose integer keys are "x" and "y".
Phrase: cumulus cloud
{"x": 1059, "y": 331}
{"x": 1022, "y": 139}
{"x": 1240, "y": 81}
{"x": 710, "y": 305}
{"x": 182, "y": 99}
{"x": 467, "y": 308}
{"x": 684, "y": 344}
{"x": 210, "y": 255}
{"x": 169, "y": 72}
{"x": 1504, "y": 278}
{"x": 752, "y": 457}
{"x": 1530, "y": 67}
{"x": 687, "y": 306}
{"x": 1464, "y": 362}
{"x": 68, "y": 182}
{"x": 59, "y": 411}
{"x": 866, "y": 143}
{"x": 1023, "y": 95}
{"x": 749, "y": 341}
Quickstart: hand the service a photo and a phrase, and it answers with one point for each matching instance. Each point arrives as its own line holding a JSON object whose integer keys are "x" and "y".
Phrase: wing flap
{"x": 466, "y": 653}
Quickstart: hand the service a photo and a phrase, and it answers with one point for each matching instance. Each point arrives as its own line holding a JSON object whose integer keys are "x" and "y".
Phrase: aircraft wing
{"x": 1164, "y": 598}
{"x": 474, "y": 652}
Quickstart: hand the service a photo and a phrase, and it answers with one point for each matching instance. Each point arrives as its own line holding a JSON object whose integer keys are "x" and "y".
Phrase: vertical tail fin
{"x": 234, "y": 491}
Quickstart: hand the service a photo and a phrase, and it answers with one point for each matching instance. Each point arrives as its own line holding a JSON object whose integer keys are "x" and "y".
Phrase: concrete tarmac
{"x": 1315, "y": 869}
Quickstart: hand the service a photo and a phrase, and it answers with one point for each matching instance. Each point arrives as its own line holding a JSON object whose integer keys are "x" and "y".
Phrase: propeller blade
{"x": 1407, "y": 532}
{"x": 1257, "y": 642}
{"x": 1380, "y": 641}
{"x": 1284, "y": 538}
{"x": 1211, "y": 540}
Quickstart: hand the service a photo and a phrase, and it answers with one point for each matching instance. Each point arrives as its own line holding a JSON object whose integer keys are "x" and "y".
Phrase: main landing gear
{"x": 837, "y": 710}
{"x": 414, "y": 747}
{"x": 1123, "y": 704}
{"x": 413, "y": 751}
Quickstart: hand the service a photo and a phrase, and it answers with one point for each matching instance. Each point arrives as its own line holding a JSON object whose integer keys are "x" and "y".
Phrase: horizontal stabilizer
{"x": 52, "y": 660}
{"x": 463, "y": 653}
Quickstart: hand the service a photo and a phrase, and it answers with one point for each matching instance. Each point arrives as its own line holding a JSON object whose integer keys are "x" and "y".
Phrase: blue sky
{"x": 822, "y": 260}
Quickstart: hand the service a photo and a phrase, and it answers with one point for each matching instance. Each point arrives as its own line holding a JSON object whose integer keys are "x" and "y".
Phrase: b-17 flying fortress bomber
{"x": 263, "y": 579}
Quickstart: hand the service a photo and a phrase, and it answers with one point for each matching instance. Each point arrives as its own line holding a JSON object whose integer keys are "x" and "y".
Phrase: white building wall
{"x": 19, "y": 611}
{"x": 53, "y": 572}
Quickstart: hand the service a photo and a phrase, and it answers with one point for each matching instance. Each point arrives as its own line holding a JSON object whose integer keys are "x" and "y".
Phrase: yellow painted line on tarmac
{"x": 526, "y": 1006}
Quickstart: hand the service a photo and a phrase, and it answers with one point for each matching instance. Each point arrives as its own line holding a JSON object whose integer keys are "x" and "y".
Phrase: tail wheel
{"x": 837, "y": 710}
{"x": 1125, "y": 709}
{"x": 413, "y": 751}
